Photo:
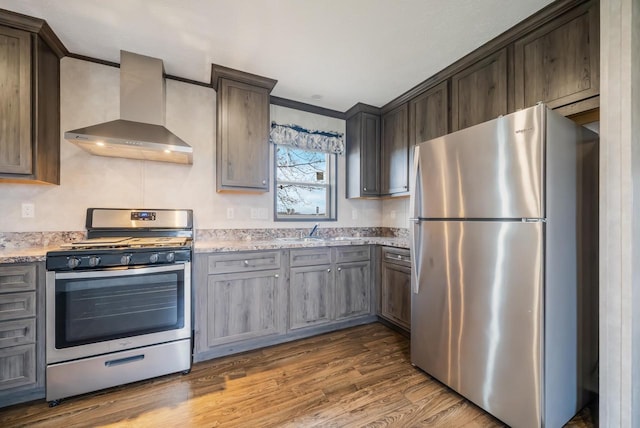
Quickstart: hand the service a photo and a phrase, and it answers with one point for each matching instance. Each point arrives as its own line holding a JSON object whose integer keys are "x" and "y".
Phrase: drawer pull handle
{"x": 120, "y": 361}
{"x": 246, "y": 262}
{"x": 328, "y": 270}
{"x": 339, "y": 269}
{"x": 277, "y": 276}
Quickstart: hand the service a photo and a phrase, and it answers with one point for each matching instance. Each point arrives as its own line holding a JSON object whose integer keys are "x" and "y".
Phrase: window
{"x": 305, "y": 186}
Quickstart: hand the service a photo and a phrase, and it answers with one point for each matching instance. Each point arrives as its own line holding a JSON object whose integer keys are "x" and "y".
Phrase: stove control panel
{"x": 102, "y": 259}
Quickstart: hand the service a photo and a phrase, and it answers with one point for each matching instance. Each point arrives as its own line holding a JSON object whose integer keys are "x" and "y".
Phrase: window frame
{"x": 331, "y": 187}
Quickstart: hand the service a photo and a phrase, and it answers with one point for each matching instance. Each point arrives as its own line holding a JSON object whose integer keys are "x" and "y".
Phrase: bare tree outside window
{"x": 303, "y": 184}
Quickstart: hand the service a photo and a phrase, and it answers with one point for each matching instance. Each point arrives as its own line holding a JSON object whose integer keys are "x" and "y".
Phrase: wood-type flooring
{"x": 358, "y": 377}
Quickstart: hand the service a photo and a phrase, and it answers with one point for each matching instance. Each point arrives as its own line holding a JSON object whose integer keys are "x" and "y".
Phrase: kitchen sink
{"x": 305, "y": 239}
{"x": 343, "y": 238}
{"x": 318, "y": 239}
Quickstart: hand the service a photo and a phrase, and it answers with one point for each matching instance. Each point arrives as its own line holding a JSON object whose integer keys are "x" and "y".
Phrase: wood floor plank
{"x": 361, "y": 376}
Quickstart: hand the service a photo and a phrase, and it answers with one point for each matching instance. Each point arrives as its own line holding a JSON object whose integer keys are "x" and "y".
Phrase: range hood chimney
{"x": 140, "y": 131}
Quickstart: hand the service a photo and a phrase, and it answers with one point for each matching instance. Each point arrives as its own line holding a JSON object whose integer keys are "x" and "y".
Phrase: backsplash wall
{"x": 90, "y": 95}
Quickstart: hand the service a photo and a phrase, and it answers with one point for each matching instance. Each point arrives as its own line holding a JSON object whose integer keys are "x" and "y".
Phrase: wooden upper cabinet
{"x": 29, "y": 100}
{"x": 428, "y": 114}
{"x": 363, "y": 152}
{"x": 242, "y": 137}
{"x": 479, "y": 93}
{"x": 15, "y": 101}
{"x": 395, "y": 151}
{"x": 558, "y": 63}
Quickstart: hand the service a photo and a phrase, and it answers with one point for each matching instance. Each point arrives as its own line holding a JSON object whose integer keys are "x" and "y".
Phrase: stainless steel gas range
{"x": 119, "y": 303}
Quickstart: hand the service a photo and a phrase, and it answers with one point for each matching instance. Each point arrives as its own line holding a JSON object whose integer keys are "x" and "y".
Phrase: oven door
{"x": 100, "y": 311}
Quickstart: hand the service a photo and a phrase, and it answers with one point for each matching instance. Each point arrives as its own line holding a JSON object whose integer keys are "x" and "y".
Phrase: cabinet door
{"x": 395, "y": 288}
{"x": 17, "y": 366}
{"x": 395, "y": 151}
{"x": 428, "y": 114}
{"x": 479, "y": 93}
{"x": 244, "y": 306}
{"x": 242, "y": 139}
{"x": 352, "y": 291}
{"x": 558, "y": 63}
{"x": 310, "y": 296}
{"x": 370, "y": 148}
{"x": 15, "y": 102}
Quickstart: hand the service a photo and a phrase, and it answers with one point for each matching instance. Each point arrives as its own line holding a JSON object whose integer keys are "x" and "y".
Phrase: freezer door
{"x": 476, "y": 315}
{"x": 491, "y": 170}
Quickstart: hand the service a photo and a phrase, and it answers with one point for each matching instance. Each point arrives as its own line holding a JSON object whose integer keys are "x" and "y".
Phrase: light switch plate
{"x": 28, "y": 210}
{"x": 230, "y": 213}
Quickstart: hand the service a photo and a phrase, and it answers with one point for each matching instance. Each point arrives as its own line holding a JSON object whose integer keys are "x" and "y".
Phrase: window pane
{"x": 300, "y": 165}
{"x": 296, "y": 200}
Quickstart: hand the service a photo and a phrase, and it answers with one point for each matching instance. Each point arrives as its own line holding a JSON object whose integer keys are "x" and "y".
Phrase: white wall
{"x": 395, "y": 212}
{"x": 90, "y": 95}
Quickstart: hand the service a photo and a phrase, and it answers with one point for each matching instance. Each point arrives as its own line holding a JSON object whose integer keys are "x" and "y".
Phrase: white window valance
{"x": 297, "y": 136}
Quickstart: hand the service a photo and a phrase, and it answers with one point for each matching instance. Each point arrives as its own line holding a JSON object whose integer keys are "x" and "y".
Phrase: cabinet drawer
{"x": 244, "y": 262}
{"x": 17, "y": 305}
{"x": 398, "y": 256}
{"x": 17, "y": 366}
{"x": 20, "y": 332}
{"x": 310, "y": 257}
{"x": 352, "y": 253}
{"x": 17, "y": 278}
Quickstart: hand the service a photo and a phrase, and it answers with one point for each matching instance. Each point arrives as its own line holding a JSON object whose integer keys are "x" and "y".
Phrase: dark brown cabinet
{"x": 363, "y": 151}
{"x": 479, "y": 92}
{"x": 242, "y": 125}
{"x": 558, "y": 63}
{"x": 29, "y": 101}
{"x": 395, "y": 151}
{"x": 428, "y": 114}
{"x": 395, "y": 287}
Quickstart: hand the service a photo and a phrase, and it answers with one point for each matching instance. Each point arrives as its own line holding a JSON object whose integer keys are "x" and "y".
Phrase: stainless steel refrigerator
{"x": 504, "y": 263}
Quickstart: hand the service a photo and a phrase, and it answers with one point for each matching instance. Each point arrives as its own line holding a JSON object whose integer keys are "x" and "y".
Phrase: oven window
{"x": 90, "y": 310}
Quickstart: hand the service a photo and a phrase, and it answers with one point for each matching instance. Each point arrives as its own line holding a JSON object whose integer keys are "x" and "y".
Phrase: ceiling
{"x": 329, "y": 53}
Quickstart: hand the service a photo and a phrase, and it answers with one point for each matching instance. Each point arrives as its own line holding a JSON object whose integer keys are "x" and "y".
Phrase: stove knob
{"x": 125, "y": 260}
{"x": 153, "y": 258}
{"x": 73, "y": 262}
{"x": 94, "y": 261}
{"x": 171, "y": 257}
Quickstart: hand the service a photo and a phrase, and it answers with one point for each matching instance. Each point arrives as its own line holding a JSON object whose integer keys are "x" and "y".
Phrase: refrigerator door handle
{"x": 414, "y": 220}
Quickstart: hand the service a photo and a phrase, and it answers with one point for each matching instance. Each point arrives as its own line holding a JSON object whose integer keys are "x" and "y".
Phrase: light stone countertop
{"x": 24, "y": 255}
{"x": 38, "y": 254}
{"x": 276, "y": 244}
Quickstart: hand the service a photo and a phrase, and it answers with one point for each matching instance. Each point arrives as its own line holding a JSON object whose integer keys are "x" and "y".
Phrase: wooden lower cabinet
{"x": 248, "y": 300}
{"x": 352, "y": 291}
{"x": 22, "y": 359}
{"x": 310, "y": 296}
{"x": 395, "y": 287}
{"x": 244, "y": 305}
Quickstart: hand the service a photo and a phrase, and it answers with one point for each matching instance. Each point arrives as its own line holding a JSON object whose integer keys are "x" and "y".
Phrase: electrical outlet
{"x": 230, "y": 213}
{"x": 28, "y": 210}
{"x": 393, "y": 214}
{"x": 254, "y": 213}
{"x": 354, "y": 214}
{"x": 263, "y": 214}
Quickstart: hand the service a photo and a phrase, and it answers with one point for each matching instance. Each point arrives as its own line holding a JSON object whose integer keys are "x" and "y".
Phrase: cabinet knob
{"x": 246, "y": 262}
{"x": 365, "y": 189}
{"x": 264, "y": 181}
{"x": 405, "y": 187}
{"x": 277, "y": 276}
{"x": 339, "y": 269}
{"x": 328, "y": 270}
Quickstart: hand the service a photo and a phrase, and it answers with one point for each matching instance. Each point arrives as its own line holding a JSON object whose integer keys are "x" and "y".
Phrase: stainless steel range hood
{"x": 140, "y": 131}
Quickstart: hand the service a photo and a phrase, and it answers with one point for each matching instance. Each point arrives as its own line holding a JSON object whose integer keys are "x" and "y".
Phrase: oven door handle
{"x": 121, "y": 272}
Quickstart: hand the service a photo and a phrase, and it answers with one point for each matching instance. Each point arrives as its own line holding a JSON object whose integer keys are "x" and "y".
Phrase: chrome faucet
{"x": 315, "y": 228}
